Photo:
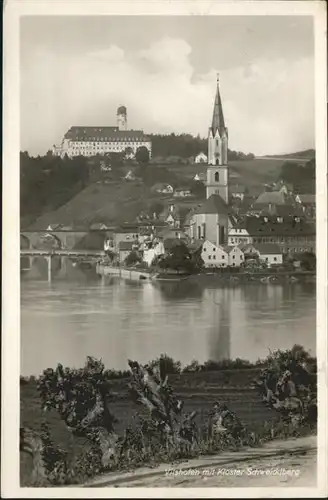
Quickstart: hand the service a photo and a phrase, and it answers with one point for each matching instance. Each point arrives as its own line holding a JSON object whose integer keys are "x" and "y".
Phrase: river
{"x": 65, "y": 321}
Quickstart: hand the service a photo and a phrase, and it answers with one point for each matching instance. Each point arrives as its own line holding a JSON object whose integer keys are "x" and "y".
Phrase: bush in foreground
{"x": 162, "y": 431}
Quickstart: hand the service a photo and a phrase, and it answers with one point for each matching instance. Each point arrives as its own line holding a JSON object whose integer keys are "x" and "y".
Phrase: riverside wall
{"x": 105, "y": 270}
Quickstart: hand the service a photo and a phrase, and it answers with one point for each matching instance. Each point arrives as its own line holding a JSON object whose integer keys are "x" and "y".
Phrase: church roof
{"x": 218, "y": 118}
{"x": 213, "y": 205}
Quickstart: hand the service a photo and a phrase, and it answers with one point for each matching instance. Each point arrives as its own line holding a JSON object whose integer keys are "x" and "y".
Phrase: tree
{"x": 128, "y": 151}
{"x": 196, "y": 258}
{"x": 133, "y": 258}
{"x": 180, "y": 259}
{"x": 198, "y": 189}
{"x": 142, "y": 155}
{"x": 156, "y": 208}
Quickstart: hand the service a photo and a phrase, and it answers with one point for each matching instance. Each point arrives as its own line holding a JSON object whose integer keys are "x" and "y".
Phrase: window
{"x": 233, "y": 256}
{"x": 213, "y": 249}
{"x": 214, "y": 257}
{"x": 223, "y": 256}
{"x": 275, "y": 258}
{"x": 217, "y": 142}
{"x": 209, "y": 257}
{"x": 216, "y": 177}
{"x": 204, "y": 249}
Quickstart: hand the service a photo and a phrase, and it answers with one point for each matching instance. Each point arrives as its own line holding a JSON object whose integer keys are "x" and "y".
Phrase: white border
{"x": 13, "y": 9}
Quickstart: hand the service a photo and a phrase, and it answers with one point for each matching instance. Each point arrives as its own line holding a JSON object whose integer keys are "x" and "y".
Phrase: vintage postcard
{"x": 165, "y": 249}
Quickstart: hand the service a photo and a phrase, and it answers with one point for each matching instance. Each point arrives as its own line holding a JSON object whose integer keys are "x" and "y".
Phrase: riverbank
{"x": 208, "y": 276}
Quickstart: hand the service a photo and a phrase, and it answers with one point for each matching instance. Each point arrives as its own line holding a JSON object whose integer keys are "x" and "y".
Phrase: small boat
{"x": 170, "y": 276}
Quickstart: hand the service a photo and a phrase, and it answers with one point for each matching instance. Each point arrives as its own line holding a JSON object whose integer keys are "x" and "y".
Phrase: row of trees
{"x": 186, "y": 146}
{"x": 47, "y": 182}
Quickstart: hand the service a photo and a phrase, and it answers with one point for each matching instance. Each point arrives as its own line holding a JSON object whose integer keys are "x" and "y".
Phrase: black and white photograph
{"x": 169, "y": 315}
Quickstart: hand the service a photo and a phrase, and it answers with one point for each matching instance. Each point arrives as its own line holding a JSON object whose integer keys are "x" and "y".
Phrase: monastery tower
{"x": 122, "y": 120}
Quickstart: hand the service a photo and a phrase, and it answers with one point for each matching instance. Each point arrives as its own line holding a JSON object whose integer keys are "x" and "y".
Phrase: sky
{"x": 78, "y": 70}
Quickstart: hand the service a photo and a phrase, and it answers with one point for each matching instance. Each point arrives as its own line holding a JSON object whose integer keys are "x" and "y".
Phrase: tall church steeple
{"x": 217, "y": 171}
{"x": 218, "y": 118}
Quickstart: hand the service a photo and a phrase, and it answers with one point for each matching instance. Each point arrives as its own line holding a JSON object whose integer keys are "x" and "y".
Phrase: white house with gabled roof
{"x": 213, "y": 255}
{"x": 235, "y": 256}
{"x": 271, "y": 254}
{"x": 201, "y": 158}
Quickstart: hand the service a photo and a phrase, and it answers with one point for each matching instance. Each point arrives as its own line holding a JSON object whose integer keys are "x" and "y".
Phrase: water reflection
{"x": 114, "y": 319}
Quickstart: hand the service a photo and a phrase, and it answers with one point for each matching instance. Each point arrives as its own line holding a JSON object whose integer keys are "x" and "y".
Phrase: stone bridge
{"x": 64, "y": 240}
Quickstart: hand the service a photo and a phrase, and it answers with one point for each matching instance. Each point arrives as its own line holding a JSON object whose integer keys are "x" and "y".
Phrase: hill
{"x": 307, "y": 154}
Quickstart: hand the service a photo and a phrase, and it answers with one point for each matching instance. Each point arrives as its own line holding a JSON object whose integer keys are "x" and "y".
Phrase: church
{"x": 212, "y": 220}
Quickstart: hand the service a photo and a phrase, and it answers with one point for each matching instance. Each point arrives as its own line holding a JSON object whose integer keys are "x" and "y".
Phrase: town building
{"x": 199, "y": 177}
{"x": 162, "y": 188}
{"x": 307, "y": 202}
{"x": 201, "y": 158}
{"x": 171, "y": 232}
{"x": 249, "y": 251}
{"x": 210, "y": 221}
{"x": 291, "y": 234}
{"x": 237, "y": 192}
{"x": 235, "y": 256}
{"x": 171, "y": 215}
{"x": 152, "y": 250}
{"x": 270, "y": 254}
{"x": 129, "y": 233}
{"x": 125, "y": 248}
{"x": 182, "y": 193}
{"x": 213, "y": 255}
{"x": 90, "y": 141}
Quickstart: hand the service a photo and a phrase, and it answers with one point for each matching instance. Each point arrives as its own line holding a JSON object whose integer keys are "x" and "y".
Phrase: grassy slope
{"x": 306, "y": 154}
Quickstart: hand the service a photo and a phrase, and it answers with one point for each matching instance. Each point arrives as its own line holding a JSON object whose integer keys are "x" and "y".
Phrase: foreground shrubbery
{"x": 162, "y": 431}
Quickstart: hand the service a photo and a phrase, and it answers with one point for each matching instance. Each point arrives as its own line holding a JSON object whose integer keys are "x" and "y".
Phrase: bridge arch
{"x": 48, "y": 241}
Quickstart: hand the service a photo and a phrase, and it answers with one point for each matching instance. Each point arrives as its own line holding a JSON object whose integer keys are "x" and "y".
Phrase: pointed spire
{"x": 218, "y": 118}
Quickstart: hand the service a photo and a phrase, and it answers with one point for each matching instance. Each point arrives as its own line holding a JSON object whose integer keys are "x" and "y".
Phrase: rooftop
{"x": 307, "y": 199}
{"x": 257, "y": 226}
{"x": 101, "y": 134}
{"x": 268, "y": 249}
{"x": 125, "y": 245}
{"x": 273, "y": 197}
{"x": 213, "y": 205}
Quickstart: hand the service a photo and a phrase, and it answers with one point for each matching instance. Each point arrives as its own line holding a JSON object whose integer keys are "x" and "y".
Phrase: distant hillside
{"x": 306, "y": 154}
{"x": 118, "y": 201}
